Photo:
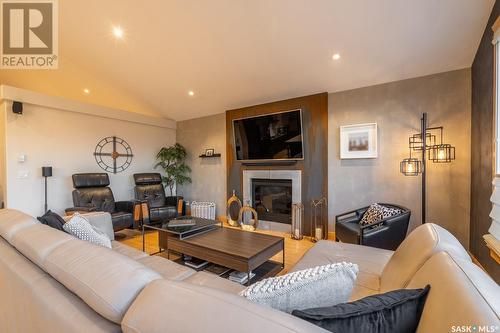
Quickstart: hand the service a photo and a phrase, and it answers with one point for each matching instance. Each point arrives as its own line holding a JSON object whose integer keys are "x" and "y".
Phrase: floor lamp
{"x": 430, "y": 146}
{"x": 46, "y": 172}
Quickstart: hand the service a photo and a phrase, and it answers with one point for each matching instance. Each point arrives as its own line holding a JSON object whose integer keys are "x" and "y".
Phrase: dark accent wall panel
{"x": 315, "y": 133}
{"x": 482, "y": 146}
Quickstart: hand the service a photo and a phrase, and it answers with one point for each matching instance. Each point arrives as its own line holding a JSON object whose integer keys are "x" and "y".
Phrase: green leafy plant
{"x": 173, "y": 161}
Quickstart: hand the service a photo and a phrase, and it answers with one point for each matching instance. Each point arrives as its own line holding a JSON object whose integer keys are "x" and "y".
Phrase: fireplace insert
{"x": 272, "y": 199}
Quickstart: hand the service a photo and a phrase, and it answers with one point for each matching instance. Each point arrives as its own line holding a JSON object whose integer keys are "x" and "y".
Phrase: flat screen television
{"x": 276, "y": 136}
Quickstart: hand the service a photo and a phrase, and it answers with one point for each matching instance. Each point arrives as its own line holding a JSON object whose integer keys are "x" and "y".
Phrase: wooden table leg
{"x": 143, "y": 236}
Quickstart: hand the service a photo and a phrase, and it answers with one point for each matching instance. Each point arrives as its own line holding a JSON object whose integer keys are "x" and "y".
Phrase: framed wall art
{"x": 358, "y": 141}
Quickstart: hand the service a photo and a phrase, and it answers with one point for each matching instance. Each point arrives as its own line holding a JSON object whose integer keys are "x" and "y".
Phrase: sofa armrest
{"x": 99, "y": 220}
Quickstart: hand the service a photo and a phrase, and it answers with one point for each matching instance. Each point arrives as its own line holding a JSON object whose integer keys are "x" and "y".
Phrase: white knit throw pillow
{"x": 81, "y": 228}
{"x": 319, "y": 286}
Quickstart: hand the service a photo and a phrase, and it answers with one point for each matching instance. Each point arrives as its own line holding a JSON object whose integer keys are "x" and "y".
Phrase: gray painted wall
{"x": 208, "y": 174}
{"x": 397, "y": 107}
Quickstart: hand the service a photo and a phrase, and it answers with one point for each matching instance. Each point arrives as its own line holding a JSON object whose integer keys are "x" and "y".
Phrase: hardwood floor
{"x": 294, "y": 249}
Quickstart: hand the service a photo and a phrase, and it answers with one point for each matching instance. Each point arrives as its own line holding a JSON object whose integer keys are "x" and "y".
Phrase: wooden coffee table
{"x": 236, "y": 249}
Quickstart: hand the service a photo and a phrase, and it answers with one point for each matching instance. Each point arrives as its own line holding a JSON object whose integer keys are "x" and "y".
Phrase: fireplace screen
{"x": 272, "y": 199}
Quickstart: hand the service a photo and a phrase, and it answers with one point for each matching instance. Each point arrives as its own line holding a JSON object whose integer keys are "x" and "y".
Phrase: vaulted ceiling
{"x": 235, "y": 53}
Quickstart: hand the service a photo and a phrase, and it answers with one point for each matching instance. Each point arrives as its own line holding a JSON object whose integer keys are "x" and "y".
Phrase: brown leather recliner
{"x": 92, "y": 194}
{"x": 159, "y": 208}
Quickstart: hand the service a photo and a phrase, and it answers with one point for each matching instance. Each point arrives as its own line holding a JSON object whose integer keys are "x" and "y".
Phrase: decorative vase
{"x": 297, "y": 219}
{"x": 233, "y": 210}
{"x": 319, "y": 223}
{"x": 249, "y": 221}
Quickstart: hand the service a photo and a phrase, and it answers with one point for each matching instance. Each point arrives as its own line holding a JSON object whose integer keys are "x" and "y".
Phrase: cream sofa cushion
{"x": 461, "y": 295}
{"x": 11, "y": 221}
{"x": 213, "y": 281}
{"x": 166, "y": 306}
{"x": 370, "y": 261}
{"x": 167, "y": 268}
{"x": 32, "y": 301}
{"x": 38, "y": 240}
{"x": 127, "y": 250}
{"x": 107, "y": 281}
{"x": 421, "y": 244}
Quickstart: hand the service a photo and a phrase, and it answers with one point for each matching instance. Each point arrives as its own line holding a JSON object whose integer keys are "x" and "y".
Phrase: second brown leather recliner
{"x": 159, "y": 208}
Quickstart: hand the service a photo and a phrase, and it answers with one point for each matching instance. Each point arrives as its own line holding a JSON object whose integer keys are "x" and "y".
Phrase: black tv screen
{"x": 276, "y": 136}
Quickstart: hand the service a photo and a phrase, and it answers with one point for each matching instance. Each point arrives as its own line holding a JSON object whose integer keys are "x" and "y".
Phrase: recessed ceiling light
{"x": 118, "y": 32}
{"x": 86, "y": 91}
{"x": 191, "y": 93}
{"x": 336, "y": 56}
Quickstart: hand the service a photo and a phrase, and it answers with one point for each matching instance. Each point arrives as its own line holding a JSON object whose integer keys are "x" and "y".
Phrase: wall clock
{"x": 113, "y": 154}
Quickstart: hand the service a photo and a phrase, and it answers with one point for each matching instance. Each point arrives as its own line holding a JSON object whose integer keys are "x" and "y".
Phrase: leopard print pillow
{"x": 389, "y": 211}
{"x": 378, "y": 212}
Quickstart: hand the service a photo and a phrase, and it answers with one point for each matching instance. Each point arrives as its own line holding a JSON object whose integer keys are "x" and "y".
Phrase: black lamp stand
{"x": 46, "y": 172}
{"x": 423, "y": 130}
{"x": 425, "y": 141}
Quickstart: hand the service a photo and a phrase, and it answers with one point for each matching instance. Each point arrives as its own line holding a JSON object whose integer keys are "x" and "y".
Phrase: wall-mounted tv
{"x": 276, "y": 136}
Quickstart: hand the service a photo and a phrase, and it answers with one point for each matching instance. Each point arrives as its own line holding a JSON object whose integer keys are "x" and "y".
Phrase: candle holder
{"x": 297, "y": 219}
{"x": 233, "y": 210}
{"x": 319, "y": 223}
{"x": 249, "y": 220}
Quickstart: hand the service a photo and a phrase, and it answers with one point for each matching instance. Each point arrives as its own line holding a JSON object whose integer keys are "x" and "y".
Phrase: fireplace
{"x": 272, "y": 199}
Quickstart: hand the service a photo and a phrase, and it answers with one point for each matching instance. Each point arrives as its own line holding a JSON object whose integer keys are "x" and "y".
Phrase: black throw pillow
{"x": 52, "y": 220}
{"x": 396, "y": 311}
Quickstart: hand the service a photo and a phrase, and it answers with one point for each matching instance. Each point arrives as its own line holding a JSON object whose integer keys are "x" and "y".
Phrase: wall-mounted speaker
{"x": 17, "y": 107}
{"x": 47, "y": 171}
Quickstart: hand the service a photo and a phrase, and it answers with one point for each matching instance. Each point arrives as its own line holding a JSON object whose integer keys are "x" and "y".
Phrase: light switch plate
{"x": 23, "y": 174}
{"x": 21, "y": 158}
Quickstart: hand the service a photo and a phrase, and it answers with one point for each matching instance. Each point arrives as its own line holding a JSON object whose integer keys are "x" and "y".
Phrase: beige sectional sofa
{"x": 52, "y": 282}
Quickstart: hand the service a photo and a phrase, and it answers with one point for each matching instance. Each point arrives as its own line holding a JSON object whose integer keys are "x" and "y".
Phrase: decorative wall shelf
{"x": 206, "y": 156}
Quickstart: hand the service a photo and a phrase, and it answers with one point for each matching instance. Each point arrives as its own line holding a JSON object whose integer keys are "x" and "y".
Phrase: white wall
{"x": 66, "y": 141}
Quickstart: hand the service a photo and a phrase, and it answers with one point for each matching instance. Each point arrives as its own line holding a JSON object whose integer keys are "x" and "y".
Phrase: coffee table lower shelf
{"x": 268, "y": 269}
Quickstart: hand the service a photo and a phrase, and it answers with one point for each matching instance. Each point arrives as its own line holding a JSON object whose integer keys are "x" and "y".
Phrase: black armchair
{"x": 157, "y": 208}
{"x": 384, "y": 234}
{"x": 92, "y": 194}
